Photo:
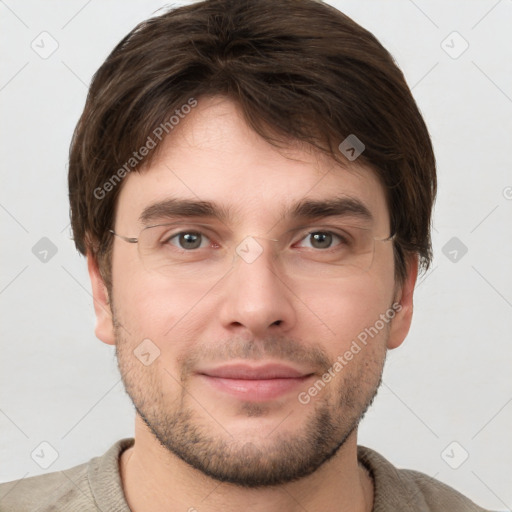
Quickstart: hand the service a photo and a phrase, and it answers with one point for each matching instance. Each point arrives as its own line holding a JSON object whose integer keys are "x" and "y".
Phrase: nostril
{"x": 277, "y": 322}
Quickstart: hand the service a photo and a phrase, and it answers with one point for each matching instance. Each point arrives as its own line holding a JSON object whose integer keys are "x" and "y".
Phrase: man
{"x": 252, "y": 184}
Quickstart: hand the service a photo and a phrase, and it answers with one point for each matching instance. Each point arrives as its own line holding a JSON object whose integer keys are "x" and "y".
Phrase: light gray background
{"x": 450, "y": 381}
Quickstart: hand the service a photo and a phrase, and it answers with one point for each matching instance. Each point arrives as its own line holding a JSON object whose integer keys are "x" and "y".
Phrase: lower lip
{"x": 256, "y": 390}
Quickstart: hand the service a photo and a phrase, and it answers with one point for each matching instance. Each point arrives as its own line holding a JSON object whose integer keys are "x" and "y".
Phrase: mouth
{"x": 255, "y": 383}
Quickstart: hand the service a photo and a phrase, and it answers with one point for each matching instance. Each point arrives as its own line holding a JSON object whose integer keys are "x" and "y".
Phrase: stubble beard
{"x": 187, "y": 431}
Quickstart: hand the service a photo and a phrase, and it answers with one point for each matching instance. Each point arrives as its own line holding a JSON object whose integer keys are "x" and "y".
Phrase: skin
{"x": 276, "y": 455}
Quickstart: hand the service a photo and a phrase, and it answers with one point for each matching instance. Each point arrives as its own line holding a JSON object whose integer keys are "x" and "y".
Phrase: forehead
{"x": 213, "y": 156}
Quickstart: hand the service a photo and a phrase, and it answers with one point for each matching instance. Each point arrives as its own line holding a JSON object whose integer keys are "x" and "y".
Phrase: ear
{"x": 104, "y": 324}
{"x": 403, "y": 305}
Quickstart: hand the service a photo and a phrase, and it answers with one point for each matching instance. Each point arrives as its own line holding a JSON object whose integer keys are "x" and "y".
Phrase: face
{"x": 248, "y": 321}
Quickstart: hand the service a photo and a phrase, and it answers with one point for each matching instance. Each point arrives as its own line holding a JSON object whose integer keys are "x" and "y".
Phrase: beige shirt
{"x": 96, "y": 486}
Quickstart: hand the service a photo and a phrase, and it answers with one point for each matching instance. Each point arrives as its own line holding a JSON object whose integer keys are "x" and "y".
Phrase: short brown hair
{"x": 298, "y": 69}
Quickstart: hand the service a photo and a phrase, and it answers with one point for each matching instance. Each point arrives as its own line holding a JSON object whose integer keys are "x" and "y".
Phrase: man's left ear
{"x": 403, "y": 305}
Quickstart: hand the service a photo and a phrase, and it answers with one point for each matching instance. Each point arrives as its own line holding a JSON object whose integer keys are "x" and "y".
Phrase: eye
{"x": 320, "y": 240}
{"x": 189, "y": 240}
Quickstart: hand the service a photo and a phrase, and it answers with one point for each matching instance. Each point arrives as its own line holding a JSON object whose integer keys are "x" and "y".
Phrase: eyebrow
{"x": 335, "y": 207}
{"x": 169, "y": 208}
{"x": 308, "y": 209}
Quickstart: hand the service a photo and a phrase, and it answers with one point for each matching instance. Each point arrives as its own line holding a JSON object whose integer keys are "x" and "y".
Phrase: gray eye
{"x": 188, "y": 240}
{"x": 321, "y": 240}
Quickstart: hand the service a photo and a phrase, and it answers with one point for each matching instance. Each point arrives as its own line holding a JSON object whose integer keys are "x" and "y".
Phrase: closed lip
{"x": 250, "y": 372}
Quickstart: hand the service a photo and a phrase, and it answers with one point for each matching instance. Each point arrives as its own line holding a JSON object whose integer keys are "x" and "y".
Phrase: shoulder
{"x": 437, "y": 495}
{"x": 94, "y": 485}
{"x": 406, "y": 489}
{"x": 58, "y": 490}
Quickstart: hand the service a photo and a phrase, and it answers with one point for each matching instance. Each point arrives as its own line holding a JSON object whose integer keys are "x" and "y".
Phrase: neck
{"x": 152, "y": 476}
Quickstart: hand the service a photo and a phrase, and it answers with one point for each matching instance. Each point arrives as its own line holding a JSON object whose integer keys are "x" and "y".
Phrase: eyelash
{"x": 342, "y": 238}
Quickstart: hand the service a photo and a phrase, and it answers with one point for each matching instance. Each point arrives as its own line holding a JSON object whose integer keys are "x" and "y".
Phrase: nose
{"x": 255, "y": 297}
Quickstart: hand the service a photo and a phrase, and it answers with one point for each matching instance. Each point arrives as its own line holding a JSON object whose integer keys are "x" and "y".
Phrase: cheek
{"x": 150, "y": 305}
{"x": 345, "y": 309}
